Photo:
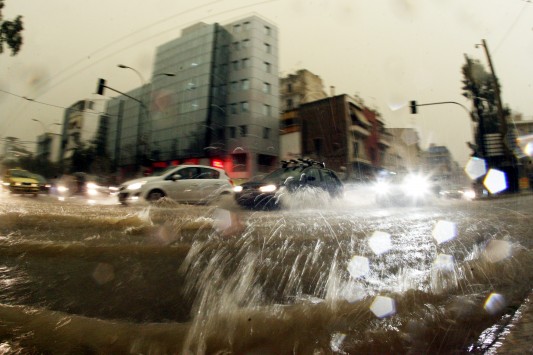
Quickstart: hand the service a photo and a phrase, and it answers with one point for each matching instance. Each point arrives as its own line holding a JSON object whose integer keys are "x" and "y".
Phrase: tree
{"x": 10, "y": 32}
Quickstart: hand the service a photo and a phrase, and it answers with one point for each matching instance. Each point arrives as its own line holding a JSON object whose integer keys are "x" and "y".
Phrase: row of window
{"x": 244, "y": 106}
{"x": 246, "y": 27}
{"x": 243, "y": 132}
{"x": 244, "y": 84}
{"x": 245, "y": 43}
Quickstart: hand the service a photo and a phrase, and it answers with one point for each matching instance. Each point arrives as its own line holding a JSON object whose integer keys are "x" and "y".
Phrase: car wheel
{"x": 155, "y": 195}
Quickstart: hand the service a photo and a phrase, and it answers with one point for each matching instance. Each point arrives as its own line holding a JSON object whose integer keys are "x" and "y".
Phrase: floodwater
{"x": 320, "y": 278}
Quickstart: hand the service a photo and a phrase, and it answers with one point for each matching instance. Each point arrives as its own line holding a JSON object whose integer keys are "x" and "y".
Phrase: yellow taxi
{"x": 20, "y": 181}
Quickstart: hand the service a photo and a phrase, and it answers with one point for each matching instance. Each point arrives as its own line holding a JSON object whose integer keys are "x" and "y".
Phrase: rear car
{"x": 404, "y": 189}
{"x": 20, "y": 181}
{"x": 291, "y": 177}
{"x": 184, "y": 183}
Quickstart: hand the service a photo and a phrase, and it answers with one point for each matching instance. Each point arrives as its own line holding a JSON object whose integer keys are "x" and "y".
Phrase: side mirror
{"x": 176, "y": 177}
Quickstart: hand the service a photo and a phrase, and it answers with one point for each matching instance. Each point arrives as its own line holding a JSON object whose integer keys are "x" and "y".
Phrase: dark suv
{"x": 293, "y": 176}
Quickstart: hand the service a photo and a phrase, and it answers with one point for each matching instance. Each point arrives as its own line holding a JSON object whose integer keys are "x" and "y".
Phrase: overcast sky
{"x": 388, "y": 52}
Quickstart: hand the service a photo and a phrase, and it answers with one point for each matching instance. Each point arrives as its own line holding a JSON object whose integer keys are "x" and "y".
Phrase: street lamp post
{"x": 44, "y": 144}
{"x": 141, "y": 138}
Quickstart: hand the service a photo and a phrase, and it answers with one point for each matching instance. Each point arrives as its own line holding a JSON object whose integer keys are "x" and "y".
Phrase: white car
{"x": 183, "y": 183}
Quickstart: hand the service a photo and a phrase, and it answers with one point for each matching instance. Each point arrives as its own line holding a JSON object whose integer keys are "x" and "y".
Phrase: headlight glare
{"x": 268, "y": 188}
{"x": 237, "y": 188}
{"x": 136, "y": 185}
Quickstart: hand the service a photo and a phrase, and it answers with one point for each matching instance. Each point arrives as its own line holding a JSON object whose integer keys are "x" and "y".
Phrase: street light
{"x": 142, "y": 107}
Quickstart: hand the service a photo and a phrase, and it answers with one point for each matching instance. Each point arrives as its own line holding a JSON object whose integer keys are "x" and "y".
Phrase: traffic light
{"x": 413, "y": 107}
{"x": 100, "y": 87}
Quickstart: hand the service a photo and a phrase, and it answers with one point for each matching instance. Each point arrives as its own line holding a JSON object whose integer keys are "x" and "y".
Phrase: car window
{"x": 188, "y": 173}
{"x": 206, "y": 173}
{"x": 313, "y": 176}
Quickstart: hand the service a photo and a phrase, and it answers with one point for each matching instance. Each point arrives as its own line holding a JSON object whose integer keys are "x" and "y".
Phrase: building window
{"x": 267, "y": 110}
{"x": 239, "y": 162}
{"x": 289, "y": 103}
{"x": 232, "y": 132}
{"x": 246, "y": 26}
{"x": 245, "y": 84}
{"x": 243, "y": 130}
{"x": 234, "y": 109}
{"x": 235, "y": 65}
{"x": 268, "y": 49}
{"x": 244, "y": 106}
{"x": 236, "y": 28}
{"x": 318, "y": 146}
{"x": 266, "y": 88}
{"x": 267, "y": 67}
{"x": 356, "y": 149}
{"x": 234, "y": 86}
{"x": 245, "y": 43}
{"x": 289, "y": 87}
{"x": 236, "y": 46}
{"x": 266, "y": 133}
{"x": 245, "y": 63}
{"x": 268, "y": 31}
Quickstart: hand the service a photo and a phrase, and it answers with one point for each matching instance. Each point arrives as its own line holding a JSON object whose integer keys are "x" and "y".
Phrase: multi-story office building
{"x": 219, "y": 107}
{"x": 80, "y": 125}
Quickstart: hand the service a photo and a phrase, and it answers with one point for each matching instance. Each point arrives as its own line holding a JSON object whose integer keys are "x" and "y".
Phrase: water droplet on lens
{"x": 383, "y": 306}
{"x": 495, "y": 303}
{"x": 358, "y": 266}
{"x": 380, "y": 242}
{"x": 495, "y": 181}
{"x": 444, "y": 231}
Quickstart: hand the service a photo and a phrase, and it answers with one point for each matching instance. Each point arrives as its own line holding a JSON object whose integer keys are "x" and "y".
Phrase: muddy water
{"x": 330, "y": 279}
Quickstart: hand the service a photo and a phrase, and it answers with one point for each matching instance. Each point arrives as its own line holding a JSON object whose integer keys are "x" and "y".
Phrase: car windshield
{"x": 21, "y": 174}
{"x": 282, "y": 174}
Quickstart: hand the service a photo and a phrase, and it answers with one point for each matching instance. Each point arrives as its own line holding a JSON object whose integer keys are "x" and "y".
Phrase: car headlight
{"x": 382, "y": 187}
{"x": 237, "y": 188}
{"x": 92, "y": 185}
{"x": 268, "y": 188}
{"x": 469, "y": 194}
{"x": 415, "y": 185}
{"x": 136, "y": 185}
{"x": 62, "y": 188}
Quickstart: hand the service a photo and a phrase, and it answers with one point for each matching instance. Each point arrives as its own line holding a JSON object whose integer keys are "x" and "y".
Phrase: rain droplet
{"x": 475, "y": 168}
{"x": 495, "y": 303}
{"x": 103, "y": 273}
{"x": 383, "y": 306}
{"x": 380, "y": 242}
{"x": 444, "y": 262}
{"x": 497, "y": 250}
{"x": 495, "y": 181}
{"x": 444, "y": 231}
{"x": 358, "y": 266}
{"x": 222, "y": 219}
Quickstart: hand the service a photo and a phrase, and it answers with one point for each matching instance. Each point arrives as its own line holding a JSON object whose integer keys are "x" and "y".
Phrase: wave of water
{"x": 169, "y": 280}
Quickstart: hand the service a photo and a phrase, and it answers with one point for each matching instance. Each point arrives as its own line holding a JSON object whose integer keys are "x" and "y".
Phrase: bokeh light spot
{"x": 103, "y": 273}
{"x": 352, "y": 292}
{"x": 495, "y": 303}
{"x": 222, "y": 219}
{"x": 383, "y": 306}
{"x": 336, "y": 342}
{"x": 358, "y": 266}
{"x": 475, "y": 168}
{"x": 380, "y": 242}
{"x": 495, "y": 181}
{"x": 444, "y": 262}
{"x": 444, "y": 231}
{"x": 497, "y": 250}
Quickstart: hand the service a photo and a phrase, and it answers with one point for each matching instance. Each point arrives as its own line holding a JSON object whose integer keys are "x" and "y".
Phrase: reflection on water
{"x": 328, "y": 279}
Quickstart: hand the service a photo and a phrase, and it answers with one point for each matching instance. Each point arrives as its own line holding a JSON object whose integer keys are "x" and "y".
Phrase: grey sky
{"x": 388, "y": 52}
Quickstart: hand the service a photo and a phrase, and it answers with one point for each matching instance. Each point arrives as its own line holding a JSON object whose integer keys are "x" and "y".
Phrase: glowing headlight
{"x": 382, "y": 187}
{"x": 268, "y": 188}
{"x": 18, "y": 184}
{"x": 62, "y": 188}
{"x": 469, "y": 194}
{"x": 237, "y": 188}
{"x": 92, "y": 185}
{"x": 136, "y": 186}
{"x": 415, "y": 185}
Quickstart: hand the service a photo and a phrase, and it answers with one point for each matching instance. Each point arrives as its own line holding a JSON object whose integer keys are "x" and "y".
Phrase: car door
{"x": 208, "y": 185}
{"x": 182, "y": 189}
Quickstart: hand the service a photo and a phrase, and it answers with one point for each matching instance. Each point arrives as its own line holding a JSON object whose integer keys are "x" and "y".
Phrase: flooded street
{"x": 340, "y": 278}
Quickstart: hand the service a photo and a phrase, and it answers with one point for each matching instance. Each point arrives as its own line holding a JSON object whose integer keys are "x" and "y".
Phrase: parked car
{"x": 404, "y": 189}
{"x": 183, "y": 183}
{"x": 20, "y": 181}
{"x": 292, "y": 176}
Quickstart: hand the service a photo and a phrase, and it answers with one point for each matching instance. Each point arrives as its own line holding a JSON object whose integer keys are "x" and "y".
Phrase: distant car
{"x": 83, "y": 185}
{"x": 404, "y": 189}
{"x": 184, "y": 183}
{"x": 44, "y": 184}
{"x": 292, "y": 176}
{"x": 458, "y": 193}
{"x": 20, "y": 181}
